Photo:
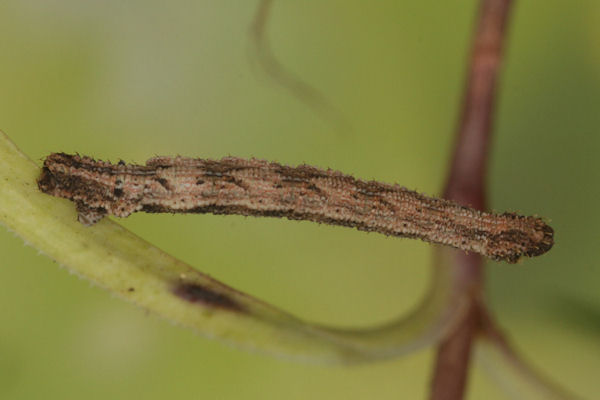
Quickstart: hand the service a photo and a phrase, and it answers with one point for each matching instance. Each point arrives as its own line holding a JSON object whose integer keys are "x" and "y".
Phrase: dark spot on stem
{"x": 195, "y": 293}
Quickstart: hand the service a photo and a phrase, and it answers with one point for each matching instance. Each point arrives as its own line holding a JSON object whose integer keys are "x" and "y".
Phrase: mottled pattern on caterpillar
{"x": 261, "y": 188}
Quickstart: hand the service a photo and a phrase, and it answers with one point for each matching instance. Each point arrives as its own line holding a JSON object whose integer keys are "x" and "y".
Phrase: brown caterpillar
{"x": 261, "y": 188}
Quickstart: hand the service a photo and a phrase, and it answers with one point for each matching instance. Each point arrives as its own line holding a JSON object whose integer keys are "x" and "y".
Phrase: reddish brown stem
{"x": 466, "y": 185}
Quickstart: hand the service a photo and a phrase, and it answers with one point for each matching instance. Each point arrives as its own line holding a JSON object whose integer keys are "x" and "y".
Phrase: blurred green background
{"x": 133, "y": 79}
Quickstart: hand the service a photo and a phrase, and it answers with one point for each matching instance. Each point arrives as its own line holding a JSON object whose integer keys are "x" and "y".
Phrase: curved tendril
{"x": 261, "y": 54}
{"x": 517, "y": 378}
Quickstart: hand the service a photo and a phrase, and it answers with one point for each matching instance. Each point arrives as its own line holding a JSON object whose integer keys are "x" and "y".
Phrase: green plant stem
{"x": 121, "y": 262}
